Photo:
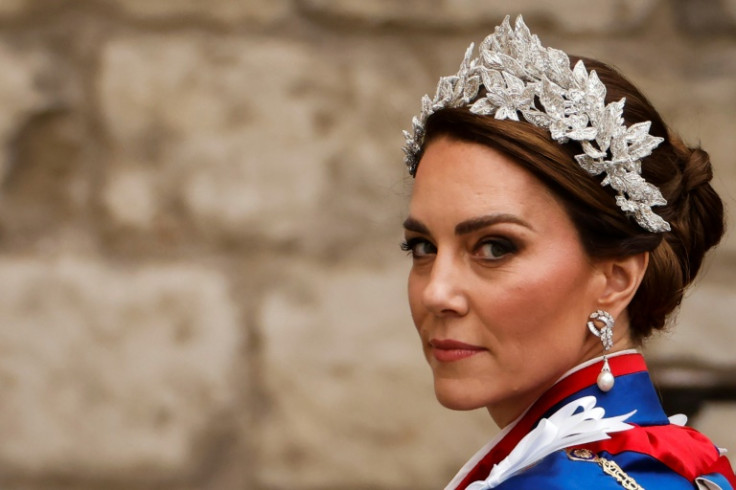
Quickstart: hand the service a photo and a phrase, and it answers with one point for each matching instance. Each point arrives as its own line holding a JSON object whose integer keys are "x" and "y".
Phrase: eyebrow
{"x": 470, "y": 225}
{"x": 412, "y": 224}
{"x": 474, "y": 224}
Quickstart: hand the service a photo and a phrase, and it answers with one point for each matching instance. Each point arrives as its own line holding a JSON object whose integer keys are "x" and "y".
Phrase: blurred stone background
{"x": 200, "y": 208}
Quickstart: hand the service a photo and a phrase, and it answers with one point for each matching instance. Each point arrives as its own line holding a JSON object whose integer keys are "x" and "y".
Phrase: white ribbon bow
{"x": 566, "y": 427}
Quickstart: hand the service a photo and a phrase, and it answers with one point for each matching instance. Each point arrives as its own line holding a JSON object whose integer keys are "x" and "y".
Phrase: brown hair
{"x": 694, "y": 210}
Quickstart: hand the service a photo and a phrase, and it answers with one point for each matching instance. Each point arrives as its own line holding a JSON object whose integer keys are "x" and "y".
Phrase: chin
{"x": 456, "y": 398}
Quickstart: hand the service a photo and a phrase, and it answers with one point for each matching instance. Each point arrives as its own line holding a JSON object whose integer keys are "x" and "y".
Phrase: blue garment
{"x": 656, "y": 454}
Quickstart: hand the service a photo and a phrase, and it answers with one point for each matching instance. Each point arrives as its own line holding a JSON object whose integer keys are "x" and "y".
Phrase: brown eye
{"x": 495, "y": 249}
{"x": 418, "y": 247}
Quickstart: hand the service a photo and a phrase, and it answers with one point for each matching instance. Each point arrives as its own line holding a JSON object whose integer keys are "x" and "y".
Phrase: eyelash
{"x": 409, "y": 245}
{"x": 508, "y": 246}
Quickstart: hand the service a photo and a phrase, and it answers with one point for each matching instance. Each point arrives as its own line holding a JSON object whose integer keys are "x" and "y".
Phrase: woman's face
{"x": 500, "y": 288}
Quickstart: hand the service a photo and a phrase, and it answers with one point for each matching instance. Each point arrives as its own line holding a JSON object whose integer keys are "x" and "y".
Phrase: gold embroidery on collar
{"x": 609, "y": 467}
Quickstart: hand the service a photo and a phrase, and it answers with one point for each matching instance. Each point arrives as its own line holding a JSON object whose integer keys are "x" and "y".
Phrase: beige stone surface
{"x": 258, "y": 138}
{"x": 568, "y": 15}
{"x": 12, "y": 7}
{"x": 227, "y": 149}
{"x": 225, "y": 11}
{"x": 350, "y": 386}
{"x": 20, "y": 96}
{"x": 106, "y": 369}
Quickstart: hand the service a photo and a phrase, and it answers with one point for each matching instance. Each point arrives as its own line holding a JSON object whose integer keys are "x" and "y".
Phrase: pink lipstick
{"x": 452, "y": 350}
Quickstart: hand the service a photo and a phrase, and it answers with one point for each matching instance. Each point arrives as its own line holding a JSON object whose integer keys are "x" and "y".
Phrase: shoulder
{"x": 583, "y": 469}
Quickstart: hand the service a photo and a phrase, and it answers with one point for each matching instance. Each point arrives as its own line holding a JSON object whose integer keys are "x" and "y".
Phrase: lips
{"x": 452, "y": 350}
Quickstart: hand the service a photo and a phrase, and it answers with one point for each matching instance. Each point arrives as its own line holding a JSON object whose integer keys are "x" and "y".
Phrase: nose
{"x": 444, "y": 293}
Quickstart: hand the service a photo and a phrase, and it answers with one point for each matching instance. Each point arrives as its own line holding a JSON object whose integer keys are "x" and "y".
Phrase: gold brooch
{"x": 609, "y": 467}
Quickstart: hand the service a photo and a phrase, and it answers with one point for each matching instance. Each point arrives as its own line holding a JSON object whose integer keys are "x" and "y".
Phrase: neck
{"x": 508, "y": 412}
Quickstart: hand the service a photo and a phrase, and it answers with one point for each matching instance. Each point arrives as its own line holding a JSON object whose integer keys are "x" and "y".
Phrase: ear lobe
{"x": 623, "y": 276}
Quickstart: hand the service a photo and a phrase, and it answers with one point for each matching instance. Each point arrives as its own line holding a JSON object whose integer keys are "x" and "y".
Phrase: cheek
{"x": 415, "y": 289}
{"x": 511, "y": 314}
{"x": 542, "y": 306}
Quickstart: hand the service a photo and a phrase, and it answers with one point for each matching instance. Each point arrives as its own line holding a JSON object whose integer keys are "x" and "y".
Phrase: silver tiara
{"x": 517, "y": 73}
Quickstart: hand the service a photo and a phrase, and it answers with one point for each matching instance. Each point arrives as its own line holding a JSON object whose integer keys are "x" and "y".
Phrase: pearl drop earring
{"x": 606, "y": 379}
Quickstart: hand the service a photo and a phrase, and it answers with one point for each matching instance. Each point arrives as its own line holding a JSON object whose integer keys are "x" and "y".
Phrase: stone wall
{"x": 200, "y": 206}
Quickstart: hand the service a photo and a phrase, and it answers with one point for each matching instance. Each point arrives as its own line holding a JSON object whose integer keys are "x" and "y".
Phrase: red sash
{"x": 685, "y": 451}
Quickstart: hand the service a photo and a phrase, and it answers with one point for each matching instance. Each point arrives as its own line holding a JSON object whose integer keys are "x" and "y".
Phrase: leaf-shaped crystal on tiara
{"x": 523, "y": 79}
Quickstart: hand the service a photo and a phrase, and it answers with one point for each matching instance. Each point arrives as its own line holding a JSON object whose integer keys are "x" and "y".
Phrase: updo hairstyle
{"x": 694, "y": 210}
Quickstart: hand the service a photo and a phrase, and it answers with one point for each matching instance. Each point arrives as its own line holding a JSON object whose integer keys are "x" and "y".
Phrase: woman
{"x": 554, "y": 224}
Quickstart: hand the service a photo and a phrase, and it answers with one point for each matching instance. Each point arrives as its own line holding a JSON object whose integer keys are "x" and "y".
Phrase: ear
{"x": 622, "y": 279}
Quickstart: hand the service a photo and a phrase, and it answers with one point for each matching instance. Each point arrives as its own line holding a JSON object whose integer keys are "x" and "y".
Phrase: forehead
{"x": 476, "y": 176}
{"x": 461, "y": 178}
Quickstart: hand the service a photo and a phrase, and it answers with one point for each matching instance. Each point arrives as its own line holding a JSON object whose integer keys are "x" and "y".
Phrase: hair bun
{"x": 699, "y": 212}
{"x": 697, "y": 170}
